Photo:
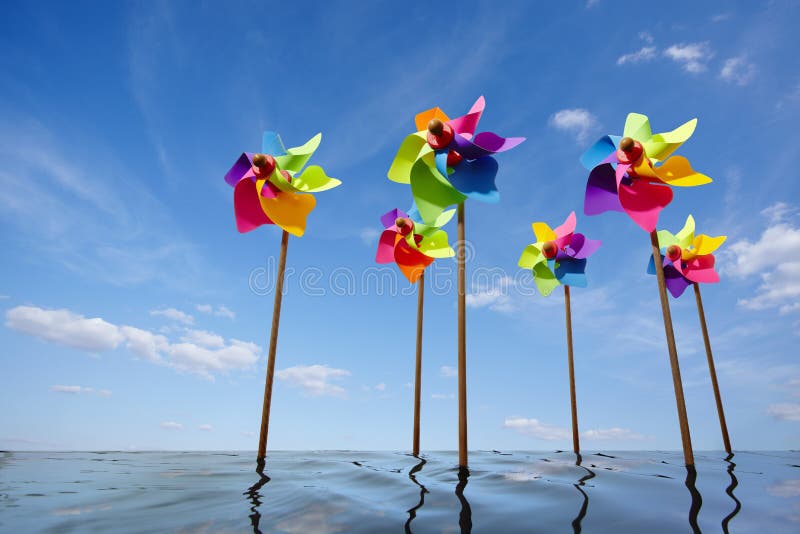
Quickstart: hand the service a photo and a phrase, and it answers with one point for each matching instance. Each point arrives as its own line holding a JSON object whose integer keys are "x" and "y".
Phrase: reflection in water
{"x": 729, "y": 491}
{"x": 255, "y": 497}
{"x": 412, "y": 513}
{"x": 697, "y": 499}
{"x": 465, "y": 517}
{"x": 576, "y": 523}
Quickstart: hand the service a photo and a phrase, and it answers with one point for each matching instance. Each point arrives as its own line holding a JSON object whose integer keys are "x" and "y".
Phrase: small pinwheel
{"x": 559, "y": 256}
{"x": 445, "y": 162}
{"x": 412, "y": 245}
{"x": 629, "y": 174}
{"x": 270, "y": 189}
{"x": 688, "y": 258}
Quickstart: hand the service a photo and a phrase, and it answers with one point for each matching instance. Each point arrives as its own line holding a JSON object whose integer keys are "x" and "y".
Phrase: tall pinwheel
{"x": 633, "y": 174}
{"x": 445, "y": 163}
{"x": 414, "y": 246}
{"x": 690, "y": 261}
{"x": 269, "y": 188}
{"x": 559, "y": 257}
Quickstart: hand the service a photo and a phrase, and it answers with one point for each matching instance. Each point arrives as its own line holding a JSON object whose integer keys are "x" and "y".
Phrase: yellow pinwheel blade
{"x": 543, "y": 232}
{"x": 289, "y": 210}
{"x": 686, "y": 236}
{"x": 705, "y": 244}
{"x": 637, "y": 126}
{"x": 678, "y": 172}
{"x": 436, "y": 245}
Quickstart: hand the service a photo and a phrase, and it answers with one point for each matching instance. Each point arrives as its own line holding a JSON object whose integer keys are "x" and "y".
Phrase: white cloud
{"x": 221, "y": 311}
{"x": 693, "y": 56}
{"x": 369, "y": 235}
{"x": 171, "y": 425}
{"x": 647, "y": 37}
{"x": 68, "y": 389}
{"x": 144, "y": 344}
{"x": 615, "y": 433}
{"x": 204, "y": 339}
{"x": 200, "y": 360}
{"x": 719, "y": 17}
{"x": 205, "y": 308}
{"x": 738, "y": 70}
{"x": 205, "y": 428}
{"x": 64, "y": 327}
{"x": 579, "y": 122}
{"x": 785, "y": 488}
{"x": 104, "y": 392}
{"x": 314, "y": 379}
{"x": 644, "y": 54}
{"x": 785, "y": 411}
{"x": 532, "y": 427}
{"x": 174, "y": 315}
{"x": 591, "y": 3}
{"x": 448, "y": 372}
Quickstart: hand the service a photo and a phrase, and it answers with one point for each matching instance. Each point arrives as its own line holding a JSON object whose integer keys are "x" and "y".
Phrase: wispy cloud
{"x": 314, "y": 380}
{"x": 577, "y": 121}
{"x": 369, "y": 236}
{"x": 171, "y": 425}
{"x": 221, "y": 311}
{"x": 738, "y": 70}
{"x": 174, "y": 315}
{"x": 448, "y": 372}
{"x": 719, "y": 17}
{"x": 64, "y": 328}
{"x": 644, "y": 54}
{"x": 694, "y": 57}
{"x": 205, "y": 428}
{"x": 74, "y": 390}
{"x": 442, "y": 396}
{"x": 785, "y": 411}
{"x": 547, "y": 432}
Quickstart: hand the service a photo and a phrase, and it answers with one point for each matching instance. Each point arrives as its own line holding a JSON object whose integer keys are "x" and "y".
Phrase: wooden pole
{"x": 418, "y": 372}
{"x": 576, "y": 446}
{"x": 462, "y": 341}
{"x": 677, "y": 384}
{"x": 273, "y": 345}
{"x": 712, "y": 370}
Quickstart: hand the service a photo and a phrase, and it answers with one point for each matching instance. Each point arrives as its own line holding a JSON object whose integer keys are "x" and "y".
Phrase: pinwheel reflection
{"x": 269, "y": 187}
{"x": 445, "y": 162}
{"x": 688, "y": 258}
{"x": 629, "y": 173}
{"x": 558, "y": 256}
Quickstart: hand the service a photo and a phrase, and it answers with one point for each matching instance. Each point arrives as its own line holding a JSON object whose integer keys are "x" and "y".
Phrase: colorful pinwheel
{"x": 445, "y": 162}
{"x": 269, "y": 188}
{"x": 559, "y": 256}
{"x": 688, "y": 258}
{"x": 629, "y": 174}
{"x": 412, "y": 245}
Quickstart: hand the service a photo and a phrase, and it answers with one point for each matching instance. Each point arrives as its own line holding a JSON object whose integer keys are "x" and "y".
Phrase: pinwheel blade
{"x": 475, "y": 179}
{"x": 531, "y": 255}
{"x": 637, "y": 126}
{"x": 677, "y": 171}
{"x": 685, "y": 237}
{"x": 643, "y": 202}
{"x": 296, "y": 157}
{"x": 580, "y": 247}
{"x": 436, "y": 245}
{"x": 666, "y": 239}
{"x": 701, "y": 270}
{"x": 239, "y": 169}
{"x": 411, "y": 262}
{"x": 484, "y": 144}
{"x": 599, "y": 152}
{"x": 570, "y": 272}
{"x": 289, "y": 210}
{"x": 272, "y": 144}
{"x": 601, "y": 191}
{"x": 676, "y": 282}
{"x": 545, "y": 279}
{"x": 247, "y": 207}
{"x": 432, "y": 193}
{"x": 705, "y": 244}
{"x": 467, "y": 124}
{"x": 314, "y": 180}
{"x": 424, "y": 117}
{"x": 412, "y": 148}
{"x": 543, "y": 232}
{"x": 386, "y": 244}
{"x": 388, "y": 219}
{"x": 661, "y": 145}
{"x": 564, "y": 232}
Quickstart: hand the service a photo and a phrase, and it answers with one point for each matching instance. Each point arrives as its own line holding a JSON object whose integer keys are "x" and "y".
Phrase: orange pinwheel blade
{"x": 422, "y": 119}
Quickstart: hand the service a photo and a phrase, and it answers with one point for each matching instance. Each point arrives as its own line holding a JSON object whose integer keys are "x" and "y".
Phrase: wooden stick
{"x": 576, "y": 446}
{"x": 712, "y": 370}
{"x": 462, "y": 341}
{"x": 418, "y": 373}
{"x": 677, "y": 384}
{"x": 273, "y": 345}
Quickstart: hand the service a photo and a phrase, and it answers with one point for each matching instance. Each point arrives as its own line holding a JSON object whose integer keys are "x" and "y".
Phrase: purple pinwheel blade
{"x": 570, "y": 272}
{"x": 580, "y": 247}
{"x": 388, "y": 218}
{"x": 601, "y": 191}
{"x": 598, "y": 152}
{"x": 475, "y": 179}
{"x": 676, "y": 282}
{"x": 239, "y": 169}
{"x": 484, "y": 144}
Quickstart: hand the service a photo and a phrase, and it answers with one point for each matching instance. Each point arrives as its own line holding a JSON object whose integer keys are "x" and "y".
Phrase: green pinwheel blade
{"x": 278, "y": 180}
{"x": 637, "y": 126}
{"x": 531, "y": 256}
{"x": 660, "y": 146}
{"x": 431, "y": 192}
{"x": 428, "y": 230}
{"x": 685, "y": 237}
{"x": 313, "y": 180}
{"x": 413, "y": 147}
{"x": 545, "y": 279}
{"x": 436, "y": 245}
{"x": 297, "y": 156}
{"x": 666, "y": 239}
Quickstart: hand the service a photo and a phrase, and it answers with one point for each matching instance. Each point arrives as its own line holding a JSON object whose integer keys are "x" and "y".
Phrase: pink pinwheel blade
{"x": 247, "y": 207}
{"x": 239, "y": 169}
{"x": 564, "y": 232}
{"x": 643, "y": 202}
{"x": 385, "y": 252}
{"x": 601, "y": 191}
{"x": 388, "y": 218}
{"x": 467, "y": 124}
{"x": 269, "y": 190}
{"x": 622, "y": 168}
{"x": 701, "y": 270}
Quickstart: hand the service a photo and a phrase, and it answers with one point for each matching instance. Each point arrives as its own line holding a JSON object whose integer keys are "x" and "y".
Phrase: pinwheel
{"x": 269, "y": 188}
{"x": 413, "y": 246}
{"x": 633, "y": 174}
{"x": 689, "y": 261}
{"x": 559, "y": 257}
{"x": 445, "y": 162}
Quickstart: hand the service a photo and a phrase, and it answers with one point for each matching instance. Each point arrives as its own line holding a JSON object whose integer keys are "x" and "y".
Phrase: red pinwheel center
{"x": 265, "y": 163}
{"x": 673, "y": 252}
{"x": 550, "y": 249}
{"x": 404, "y": 225}
{"x": 629, "y": 151}
{"x": 439, "y": 134}
{"x": 453, "y": 158}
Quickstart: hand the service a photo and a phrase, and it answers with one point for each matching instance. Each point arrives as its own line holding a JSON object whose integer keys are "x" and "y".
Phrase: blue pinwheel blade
{"x": 475, "y": 179}
{"x": 271, "y": 144}
{"x": 570, "y": 272}
{"x": 598, "y": 152}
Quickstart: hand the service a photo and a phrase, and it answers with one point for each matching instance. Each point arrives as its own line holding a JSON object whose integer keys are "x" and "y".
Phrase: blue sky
{"x": 135, "y": 315}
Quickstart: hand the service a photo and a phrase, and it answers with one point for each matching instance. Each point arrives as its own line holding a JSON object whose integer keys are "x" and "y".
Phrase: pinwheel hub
{"x": 286, "y": 175}
{"x": 673, "y": 252}
{"x": 629, "y": 151}
{"x": 439, "y": 134}
{"x": 404, "y": 225}
{"x": 453, "y": 158}
{"x": 264, "y": 163}
{"x": 550, "y": 249}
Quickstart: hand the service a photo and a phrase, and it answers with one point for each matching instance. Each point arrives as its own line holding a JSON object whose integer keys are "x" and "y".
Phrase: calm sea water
{"x": 355, "y": 491}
